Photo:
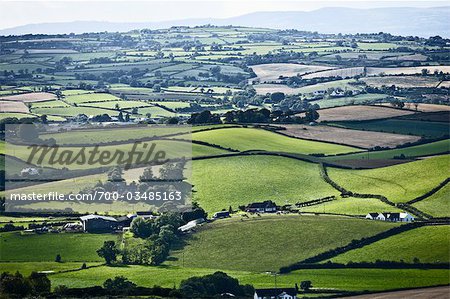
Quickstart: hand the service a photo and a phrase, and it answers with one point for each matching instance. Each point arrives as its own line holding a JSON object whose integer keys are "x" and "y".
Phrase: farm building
{"x": 278, "y": 293}
{"x": 97, "y": 223}
{"x": 267, "y": 206}
{"x": 190, "y": 225}
{"x": 393, "y": 217}
{"x": 221, "y": 214}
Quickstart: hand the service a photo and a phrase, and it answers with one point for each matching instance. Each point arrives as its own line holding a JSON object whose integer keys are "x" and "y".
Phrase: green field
{"x": 73, "y": 247}
{"x": 244, "y": 139}
{"x": 351, "y": 206}
{"x": 267, "y": 243}
{"x": 408, "y": 127}
{"x": 171, "y": 148}
{"x": 427, "y": 149}
{"x": 233, "y": 181}
{"x": 406, "y": 246}
{"x": 438, "y": 204}
{"x": 399, "y": 183}
{"x": 26, "y": 268}
{"x": 90, "y": 97}
{"x": 340, "y": 279}
{"x": 356, "y": 100}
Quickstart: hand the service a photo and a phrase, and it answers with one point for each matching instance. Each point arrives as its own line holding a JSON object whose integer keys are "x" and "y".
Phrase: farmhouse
{"x": 278, "y": 293}
{"x": 393, "y": 217}
{"x": 267, "y": 206}
{"x": 97, "y": 223}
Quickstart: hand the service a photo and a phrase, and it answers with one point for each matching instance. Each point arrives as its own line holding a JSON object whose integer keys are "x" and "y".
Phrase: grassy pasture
{"x": 122, "y": 104}
{"x": 270, "y": 88}
{"x": 400, "y": 126}
{"x": 292, "y": 238}
{"x": 438, "y": 204}
{"x": 399, "y": 183}
{"x": 351, "y": 206}
{"x": 356, "y": 100}
{"x": 73, "y": 111}
{"x": 432, "y": 148}
{"x": 4, "y": 115}
{"x": 405, "y": 246}
{"x": 73, "y": 247}
{"x": 218, "y": 183}
{"x": 172, "y": 149}
{"x": 244, "y": 139}
{"x": 341, "y": 279}
{"x": 90, "y": 97}
{"x": 26, "y": 268}
{"x": 49, "y": 104}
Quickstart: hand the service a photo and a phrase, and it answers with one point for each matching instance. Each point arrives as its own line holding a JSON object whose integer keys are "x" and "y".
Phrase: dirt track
{"x": 428, "y": 293}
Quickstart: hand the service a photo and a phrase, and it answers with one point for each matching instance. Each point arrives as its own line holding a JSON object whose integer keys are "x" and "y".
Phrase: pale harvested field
{"x": 272, "y": 71}
{"x": 364, "y": 139}
{"x": 12, "y": 106}
{"x": 407, "y": 70}
{"x": 412, "y": 57}
{"x": 30, "y": 97}
{"x": 271, "y": 88}
{"x": 345, "y": 113}
{"x": 402, "y": 81}
{"x": 346, "y": 72}
{"x": 423, "y": 107}
{"x": 445, "y": 84}
{"x": 434, "y": 293}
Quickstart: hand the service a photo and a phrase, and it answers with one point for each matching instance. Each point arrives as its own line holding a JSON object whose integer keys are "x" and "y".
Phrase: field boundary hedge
{"x": 429, "y": 193}
{"x": 354, "y": 244}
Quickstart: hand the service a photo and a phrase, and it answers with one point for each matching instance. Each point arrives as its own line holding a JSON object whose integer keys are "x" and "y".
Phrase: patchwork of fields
{"x": 327, "y": 127}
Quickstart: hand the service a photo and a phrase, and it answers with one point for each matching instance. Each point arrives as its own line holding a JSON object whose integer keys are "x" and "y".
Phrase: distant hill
{"x": 398, "y": 20}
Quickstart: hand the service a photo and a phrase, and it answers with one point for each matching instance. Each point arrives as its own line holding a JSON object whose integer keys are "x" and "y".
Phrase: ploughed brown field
{"x": 346, "y": 113}
{"x": 30, "y": 97}
{"x": 12, "y": 106}
{"x": 364, "y": 139}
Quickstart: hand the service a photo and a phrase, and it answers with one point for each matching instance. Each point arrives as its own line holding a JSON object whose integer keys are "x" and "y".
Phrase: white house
{"x": 372, "y": 216}
{"x": 405, "y": 217}
{"x": 393, "y": 217}
{"x": 278, "y": 293}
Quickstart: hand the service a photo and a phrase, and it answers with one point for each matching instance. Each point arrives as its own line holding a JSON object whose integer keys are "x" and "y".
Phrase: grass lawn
{"x": 351, "y": 206}
{"x": 244, "y": 139}
{"x": 342, "y": 279}
{"x": 73, "y": 247}
{"x": 399, "y": 183}
{"x": 438, "y": 204}
{"x": 430, "y": 244}
{"x": 269, "y": 242}
{"x": 233, "y": 181}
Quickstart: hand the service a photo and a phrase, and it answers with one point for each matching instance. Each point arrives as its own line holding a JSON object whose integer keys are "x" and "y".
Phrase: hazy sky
{"x": 15, "y": 13}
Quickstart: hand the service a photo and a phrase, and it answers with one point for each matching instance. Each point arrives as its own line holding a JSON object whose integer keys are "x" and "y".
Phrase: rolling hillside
{"x": 399, "y": 183}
